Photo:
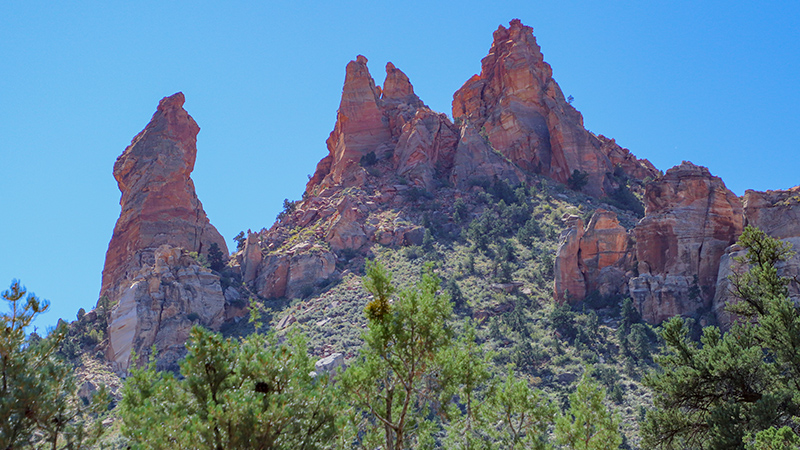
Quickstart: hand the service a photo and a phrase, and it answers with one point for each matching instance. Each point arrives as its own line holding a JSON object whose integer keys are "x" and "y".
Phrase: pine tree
{"x": 39, "y": 405}
{"x": 588, "y": 424}
{"x": 715, "y": 393}
{"x": 394, "y": 381}
{"x": 254, "y": 393}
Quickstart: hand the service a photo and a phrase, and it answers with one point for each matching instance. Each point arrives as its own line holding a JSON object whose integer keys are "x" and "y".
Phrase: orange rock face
{"x": 518, "y": 106}
{"x": 390, "y": 121}
{"x": 690, "y": 219}
{"x": 593, "y": 258}
{"x": 159, "y": 210}
{"x": 159, "y": 204}
{"x": 569, "y": 280}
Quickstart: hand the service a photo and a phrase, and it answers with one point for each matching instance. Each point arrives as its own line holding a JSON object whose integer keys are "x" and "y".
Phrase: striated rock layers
{"x": 593, "y": 258}
{"x": 148, "y": 275}
{"x": 777, "y": 213}
{"x": 520, "y": 109}
{"x": 690, "y": 219}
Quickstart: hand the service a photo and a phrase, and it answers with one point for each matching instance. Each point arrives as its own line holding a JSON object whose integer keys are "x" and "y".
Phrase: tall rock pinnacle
{"x": 360, "y": 124}
{"x": 159, "y": 204}
{"x": 520, "y": 108}
{"x": 159, "y": 208}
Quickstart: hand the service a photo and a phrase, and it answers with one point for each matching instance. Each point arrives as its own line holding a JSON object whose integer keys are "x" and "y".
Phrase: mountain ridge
{"x": 395, "y": 175}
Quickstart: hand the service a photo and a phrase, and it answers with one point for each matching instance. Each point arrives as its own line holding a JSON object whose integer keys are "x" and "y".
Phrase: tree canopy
{"x": 729, "y": 387}
{"x": 39, "y": 404}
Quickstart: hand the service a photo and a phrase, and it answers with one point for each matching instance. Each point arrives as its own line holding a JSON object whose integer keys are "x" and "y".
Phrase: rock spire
{"x": 159, "y": 211}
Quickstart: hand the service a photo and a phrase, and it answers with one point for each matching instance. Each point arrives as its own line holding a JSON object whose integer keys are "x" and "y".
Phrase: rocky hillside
{"x": 485, "y": 196}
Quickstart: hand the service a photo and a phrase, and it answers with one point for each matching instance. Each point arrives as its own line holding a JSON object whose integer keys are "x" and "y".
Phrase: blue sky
{"x": 713, "y": 82}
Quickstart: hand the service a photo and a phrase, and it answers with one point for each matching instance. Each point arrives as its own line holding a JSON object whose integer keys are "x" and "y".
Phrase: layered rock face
{"x": 159, "y": 207}
{"x": 159, "y": 305}
{"x": 593, "y": 258}
{"x": 391, "y": 123}
{"x": 777, "y": 213}
{"x": 518, "y": 106}
{"x": 690, "y": 219}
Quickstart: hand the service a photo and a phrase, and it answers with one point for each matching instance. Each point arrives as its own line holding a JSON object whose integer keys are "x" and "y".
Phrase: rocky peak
{"x": 373, "y": 123}
{"x": 398, "y": 87}
{"x": 167, "y": 142}
{"x": 360, "y": 128}
{"x": 159, "y": 205}
{"x": 522, "y": 111}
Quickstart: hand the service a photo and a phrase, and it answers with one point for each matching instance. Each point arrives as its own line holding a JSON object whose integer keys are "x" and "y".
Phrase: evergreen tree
{"x": 517, "y": 416}
{"x": 216, "y": 259}
{"x": 255, "y": 393}
{"x": 715, "y": 393}
{"x": 39, "y": 405}
{"x": 394, "y": 382}
{"x": 588, "y": 424}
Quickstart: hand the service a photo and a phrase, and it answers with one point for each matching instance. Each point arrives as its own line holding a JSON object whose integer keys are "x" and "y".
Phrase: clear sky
{"x": 713, "y": 82}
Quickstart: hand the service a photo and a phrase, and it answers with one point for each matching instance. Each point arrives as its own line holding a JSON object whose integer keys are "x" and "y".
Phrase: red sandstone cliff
{"x": 519, "y": 107}
{"x": 592, "y": 258}
{"x": 159, "y": 208}
{"x": 690, "y": 219}
{"x": 672, "y": 264}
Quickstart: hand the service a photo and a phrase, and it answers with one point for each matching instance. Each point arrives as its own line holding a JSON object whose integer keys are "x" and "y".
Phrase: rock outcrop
{"x": 519, "y": 107}
{"x": 160, "y": 304}
{"x": 592, "y": 259}
{"x": 569, "y": 281}
{"x": 777, "y": 213}
{"x": 690, "y": 219}
{"x": 159, "y": 207}
{"x": 374, "y": 124}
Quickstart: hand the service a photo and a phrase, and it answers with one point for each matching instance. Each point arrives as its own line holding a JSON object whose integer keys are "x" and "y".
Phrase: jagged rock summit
{"x": 387, "y": 146}
{"x": 394, "y": 171}
{"x": 161, "y": 221}
{"x": 518, "y": 106}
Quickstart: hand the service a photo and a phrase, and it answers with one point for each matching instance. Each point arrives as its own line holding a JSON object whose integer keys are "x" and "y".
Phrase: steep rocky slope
{"x": 388, "y": 149}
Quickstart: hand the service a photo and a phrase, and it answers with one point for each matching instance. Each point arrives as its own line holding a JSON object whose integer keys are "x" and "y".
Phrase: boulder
{"x": 287, "y": 275}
